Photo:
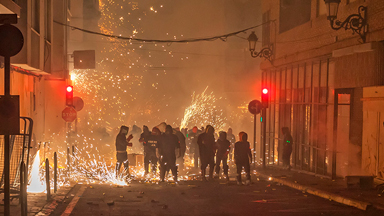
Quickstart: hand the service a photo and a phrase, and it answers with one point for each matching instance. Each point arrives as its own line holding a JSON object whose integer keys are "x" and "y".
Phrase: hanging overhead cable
{"x": 221, "y": 37}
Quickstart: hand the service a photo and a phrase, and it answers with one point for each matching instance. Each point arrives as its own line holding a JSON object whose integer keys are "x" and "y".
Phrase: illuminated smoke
{"x": 37, "y": 185}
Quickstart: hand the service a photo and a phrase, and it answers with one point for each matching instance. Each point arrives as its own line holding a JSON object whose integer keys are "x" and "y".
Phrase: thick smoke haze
{"x": 148, "y": 83}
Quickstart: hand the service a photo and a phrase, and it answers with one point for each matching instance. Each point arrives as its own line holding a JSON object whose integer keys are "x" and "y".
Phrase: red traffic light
{"x": 69, "y": 96}
{"x": 265, "y": 97}
{"x": 69, "y": 88}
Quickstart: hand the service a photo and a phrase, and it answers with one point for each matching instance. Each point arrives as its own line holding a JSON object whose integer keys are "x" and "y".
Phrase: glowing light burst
{"x": 112, "y": 97}
{"x": 36, "y": 185}
{"x": 204, "y": 110}
{"x": 90, "y": 168}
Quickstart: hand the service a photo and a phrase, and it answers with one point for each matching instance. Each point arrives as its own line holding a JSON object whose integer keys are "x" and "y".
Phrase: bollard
{"x": 47, "y": 179}
{"x": 25, "y": 189}
{"x": 55, "y": 172}
{"x": 73, "y": 156}
{"x": 68, "y": 163}
{"x": 22, "y": 194}
{"x": 21, "y": 184}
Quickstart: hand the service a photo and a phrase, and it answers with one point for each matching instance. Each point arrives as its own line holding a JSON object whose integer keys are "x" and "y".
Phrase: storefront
{"x": 373, "y": 131}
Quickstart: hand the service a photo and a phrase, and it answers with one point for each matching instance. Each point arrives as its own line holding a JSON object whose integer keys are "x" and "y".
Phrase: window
{"x": 48, "y": 20}
{"x": 266, "y": 28}
{"x": 36, "y": 15}
{"x": 294, "y": 13}
{"x": 301, "y": 104}
{"x": 321, "y": 8}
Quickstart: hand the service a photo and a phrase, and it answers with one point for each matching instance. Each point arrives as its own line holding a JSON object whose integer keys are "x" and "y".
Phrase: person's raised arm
{"x": 130, "y": 137}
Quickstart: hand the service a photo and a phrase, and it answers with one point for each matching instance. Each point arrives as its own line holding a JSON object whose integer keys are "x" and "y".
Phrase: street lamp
{"x": 356, "y": 22}
{"x": 264, "y": 53}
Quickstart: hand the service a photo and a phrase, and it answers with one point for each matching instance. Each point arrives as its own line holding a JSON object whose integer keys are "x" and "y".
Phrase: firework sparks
{"x": 204, "y": 110}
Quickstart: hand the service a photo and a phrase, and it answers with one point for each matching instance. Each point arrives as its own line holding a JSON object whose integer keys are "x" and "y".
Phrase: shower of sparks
{"x": 202, "y": 111}
{"x": 113, "y": 96}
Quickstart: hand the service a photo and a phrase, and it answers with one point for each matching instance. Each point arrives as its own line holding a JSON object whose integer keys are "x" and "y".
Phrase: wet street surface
{"x": 216, "y": 198}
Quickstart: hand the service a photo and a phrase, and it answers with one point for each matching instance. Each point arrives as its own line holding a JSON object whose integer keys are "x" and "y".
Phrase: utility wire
{"x": 221, "y": 37}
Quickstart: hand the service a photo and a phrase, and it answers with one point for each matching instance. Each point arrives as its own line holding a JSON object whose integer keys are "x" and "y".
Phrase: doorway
{"x": 341, "y": 133}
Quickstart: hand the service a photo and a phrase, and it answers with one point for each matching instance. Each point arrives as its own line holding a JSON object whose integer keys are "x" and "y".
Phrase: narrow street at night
{"x": 191, "y": 107}
{"x": 198, "y": 198}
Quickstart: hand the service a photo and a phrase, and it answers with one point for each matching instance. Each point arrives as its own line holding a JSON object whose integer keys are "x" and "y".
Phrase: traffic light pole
{"x": 254, "y": 140}
{"x": 264, "y": 127}
{"x": 7, "y": 93}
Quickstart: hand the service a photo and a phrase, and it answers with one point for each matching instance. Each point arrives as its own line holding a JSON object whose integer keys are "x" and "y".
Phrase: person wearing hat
{"x": 122, "y": 142}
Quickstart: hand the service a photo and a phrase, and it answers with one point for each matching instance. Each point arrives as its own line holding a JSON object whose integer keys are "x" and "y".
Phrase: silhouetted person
{"x": 287, "y": 147}
{"x": 184, "y": 131}
{"x": 183, "y": 147}
{"x": 207, "y": 149}
{"x": 122, "y": 142}
{"x": 146, "y": 133}
{"x": 223, "y": 147}
{"x": 136, "y": 132}
{"x": 232, "y": 140}
{"x": 193, "y": 146}
{"x": 144, "y": 139}
{"x": 167, "y": 153}
{"x": 151, "y": 143}
{"x": 243, "y": 157}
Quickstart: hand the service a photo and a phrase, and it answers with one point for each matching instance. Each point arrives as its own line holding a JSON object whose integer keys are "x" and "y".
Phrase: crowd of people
{"x": 166, "y": 146}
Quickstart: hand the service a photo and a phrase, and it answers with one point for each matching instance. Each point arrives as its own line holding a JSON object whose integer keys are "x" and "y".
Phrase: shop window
{"x": 283, "y": 78}
{"x": 277, "y": 91}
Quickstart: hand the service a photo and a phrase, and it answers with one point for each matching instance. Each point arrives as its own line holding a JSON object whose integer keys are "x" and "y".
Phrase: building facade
{"x": 325, "y": 86}
{"x": 39, "y": 72}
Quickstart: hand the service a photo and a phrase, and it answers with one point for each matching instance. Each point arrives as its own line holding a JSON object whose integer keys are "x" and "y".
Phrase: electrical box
{"x": 9, "y": 115}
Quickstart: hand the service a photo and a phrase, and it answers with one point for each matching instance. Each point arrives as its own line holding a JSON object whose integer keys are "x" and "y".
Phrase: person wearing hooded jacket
{"x": 147, "y": 149}
{"x": 223, "y": 148}
{"x": 207, "y": 149}
{"x": 151, "y": 144}
{"x": 183, "y": 147}
{"x": 167, "y": 153}
{"x": 122, "y": 142}
{"x": 232, "y": 140}
{"x": 243, "y": 157}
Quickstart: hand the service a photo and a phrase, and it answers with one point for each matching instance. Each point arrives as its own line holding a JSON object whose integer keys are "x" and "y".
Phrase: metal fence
{"x": 19, "y": 152}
